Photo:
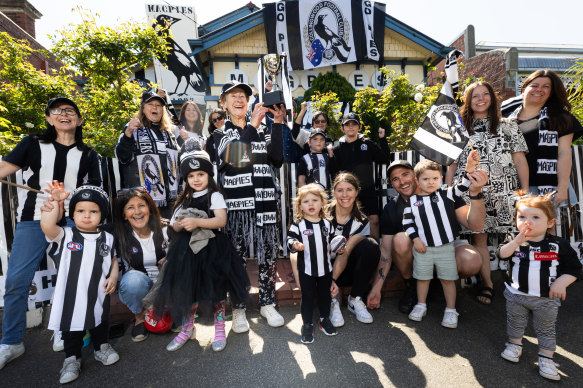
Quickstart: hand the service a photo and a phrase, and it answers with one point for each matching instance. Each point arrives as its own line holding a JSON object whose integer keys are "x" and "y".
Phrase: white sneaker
{"x": 357, "y": 307}
{"x": 335, "y": 314}
{"x": 512, "y": 352}
{"x": 274, "y": 319}
{"x": 58, "y": 343}
{"x": 240, "y": 324}
{"x": 547, "y": 368}
{"x": 70, "y": 371}
{"x": 10, "y": 352}
{"x": 107, "y": 355}
{"x": 450, "y": 319}
{"x": 418, "y": 312}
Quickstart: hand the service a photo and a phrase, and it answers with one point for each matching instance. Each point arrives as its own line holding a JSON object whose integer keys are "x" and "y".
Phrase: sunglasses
{"x": 67, "y": 111}
{"x": 319, "y": 121}
{"x": 220, "y": 118}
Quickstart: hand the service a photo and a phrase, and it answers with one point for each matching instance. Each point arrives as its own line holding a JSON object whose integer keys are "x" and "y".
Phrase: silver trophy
{"x": 272, "y": 64}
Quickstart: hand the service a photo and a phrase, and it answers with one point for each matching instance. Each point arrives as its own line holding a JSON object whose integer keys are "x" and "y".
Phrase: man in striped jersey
{"x": 429, "y": 221}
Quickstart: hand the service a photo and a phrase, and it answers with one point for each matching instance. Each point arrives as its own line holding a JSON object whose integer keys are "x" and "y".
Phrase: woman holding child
{"x": 502, "y": 151}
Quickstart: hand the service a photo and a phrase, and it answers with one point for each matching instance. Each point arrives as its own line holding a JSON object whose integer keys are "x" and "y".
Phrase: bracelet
{"x": 479, "y": 196}
{"x": 334, "y": 280}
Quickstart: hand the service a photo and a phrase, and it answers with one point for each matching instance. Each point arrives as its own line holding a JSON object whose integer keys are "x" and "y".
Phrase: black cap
{"x": 317, "y": 131}
{"x": 149, "y": 96}
{"x": 398, "y": 163}
{"x": 56, "y": 100}
{"x": 350, "y": 117}
{"x": 92, "y": 194}
{"x": 228, "y": 86}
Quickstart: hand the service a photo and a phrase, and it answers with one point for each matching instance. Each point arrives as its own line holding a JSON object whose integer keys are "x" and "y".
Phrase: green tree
{"x": 331, "y": 82}
{"x": 106, "y": 58}
{"x": 399, "y": 108}
{"x": 576, "y": 92}
{"x": 329, "y": 104}
{"x": 24, "y": 91}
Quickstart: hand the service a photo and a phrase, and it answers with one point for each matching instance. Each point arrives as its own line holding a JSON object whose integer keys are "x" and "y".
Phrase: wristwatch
{"x": 479, "y": 196}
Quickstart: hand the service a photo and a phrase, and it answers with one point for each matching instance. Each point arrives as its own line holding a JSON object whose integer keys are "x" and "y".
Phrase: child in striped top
{"x": 87, "y": 273}
{"x": 430, "y": 222}
{"x": 310, "y": 235}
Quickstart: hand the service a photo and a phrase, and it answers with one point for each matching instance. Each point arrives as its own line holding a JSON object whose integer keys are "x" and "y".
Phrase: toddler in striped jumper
{"x": 430, "y": 222}
{"x": 310, "y": 235}
{"x": 541, "y": 267}
{"x": 87, "y": 273}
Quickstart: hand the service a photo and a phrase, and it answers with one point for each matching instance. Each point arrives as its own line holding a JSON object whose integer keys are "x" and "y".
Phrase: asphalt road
{"x": 392, "y": 351}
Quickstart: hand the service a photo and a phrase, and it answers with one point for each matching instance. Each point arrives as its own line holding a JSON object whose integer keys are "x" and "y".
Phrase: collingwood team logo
{"x": 447, "y": 122}
{"x": 151, "y": 174}
{"x": 326, "y": 34}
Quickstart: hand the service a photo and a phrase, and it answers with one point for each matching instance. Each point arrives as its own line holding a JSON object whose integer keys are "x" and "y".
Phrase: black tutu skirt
{"x": 187, "y": 278}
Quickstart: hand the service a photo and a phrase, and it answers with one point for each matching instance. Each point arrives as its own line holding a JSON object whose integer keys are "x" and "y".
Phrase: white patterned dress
{"x": 496, "y": 159}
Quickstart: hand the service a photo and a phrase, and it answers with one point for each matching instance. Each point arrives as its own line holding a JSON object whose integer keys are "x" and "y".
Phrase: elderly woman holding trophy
{"x": 248, "y": 152}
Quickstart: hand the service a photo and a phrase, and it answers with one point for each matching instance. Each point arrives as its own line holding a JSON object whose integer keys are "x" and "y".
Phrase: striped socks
{"x": 187, "y": 327}
{"x": 220, "y": 321}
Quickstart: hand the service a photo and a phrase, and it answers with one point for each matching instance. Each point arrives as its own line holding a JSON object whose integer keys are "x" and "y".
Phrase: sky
{"x": 517, "y": 21}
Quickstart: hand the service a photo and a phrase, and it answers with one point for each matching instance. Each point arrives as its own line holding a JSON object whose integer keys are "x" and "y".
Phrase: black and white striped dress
{"x": 84, "y": 263}
{"x": 314, "y": 260}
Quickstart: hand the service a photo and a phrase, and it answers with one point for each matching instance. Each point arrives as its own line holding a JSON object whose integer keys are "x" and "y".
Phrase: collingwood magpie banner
{"x": 319, "y": 33}
{"x": 442, "y": 135}
{"x": 182, "y": 77}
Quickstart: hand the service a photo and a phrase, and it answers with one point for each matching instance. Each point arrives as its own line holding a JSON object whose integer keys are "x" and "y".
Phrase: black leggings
{"x": 360, "y": 268}
{"x": 73, "y": 340}
{"x": 310, "y": 285}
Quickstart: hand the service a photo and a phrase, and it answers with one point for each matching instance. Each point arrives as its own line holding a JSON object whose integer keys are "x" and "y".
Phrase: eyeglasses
{"x": 58, "y": 111}
{"x": 319, "y": 121}
{"x": 220, "y": 118}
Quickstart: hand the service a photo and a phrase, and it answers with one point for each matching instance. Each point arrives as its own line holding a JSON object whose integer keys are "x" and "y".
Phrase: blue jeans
{"x": 28, "y": 249}
{"x": 133, "y": 287}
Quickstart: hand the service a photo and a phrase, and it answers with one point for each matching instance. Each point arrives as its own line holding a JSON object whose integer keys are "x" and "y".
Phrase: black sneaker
{"x": 139, "y": 332}
{"x": 327, "y": 327}
{"x": 307, "y": 333}
{"x": 409, "y": 298}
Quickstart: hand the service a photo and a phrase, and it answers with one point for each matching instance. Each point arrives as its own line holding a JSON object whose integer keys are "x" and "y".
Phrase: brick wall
{"x": 38, "y": 61}
{"x": 23, "y": 21}
{"x": 491, "y": 66}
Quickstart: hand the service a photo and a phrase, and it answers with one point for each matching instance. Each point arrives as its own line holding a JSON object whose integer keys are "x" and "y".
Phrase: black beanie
{"x": 91, "y": 194}
{"x": 192, "y": 158}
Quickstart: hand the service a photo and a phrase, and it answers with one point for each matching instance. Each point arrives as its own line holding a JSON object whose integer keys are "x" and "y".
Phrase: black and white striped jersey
{"x": 44, "y": 162}
{"x": 534, "y": 266}
{"x": 316, "y": 169}
{"x": 432, "y": 217}
{"x": 314, "y": 260}
{"x": 84, "y": 263}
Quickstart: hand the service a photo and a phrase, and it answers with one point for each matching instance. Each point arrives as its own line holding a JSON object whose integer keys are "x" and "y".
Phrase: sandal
{"x": 482, "y": 293}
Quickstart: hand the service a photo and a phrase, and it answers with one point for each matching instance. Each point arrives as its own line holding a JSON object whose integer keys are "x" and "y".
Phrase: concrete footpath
{"x": 392, "y": 351}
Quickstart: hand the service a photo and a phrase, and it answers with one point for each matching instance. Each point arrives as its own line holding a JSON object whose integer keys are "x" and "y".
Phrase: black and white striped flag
{"x": 442, "y": 135}
{"x": 451, "y": 69}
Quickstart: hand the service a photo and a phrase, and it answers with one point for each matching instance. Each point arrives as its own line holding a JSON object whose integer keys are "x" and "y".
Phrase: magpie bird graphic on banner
{"x": 442, "y": 135}
{"x": 178, "y": 61}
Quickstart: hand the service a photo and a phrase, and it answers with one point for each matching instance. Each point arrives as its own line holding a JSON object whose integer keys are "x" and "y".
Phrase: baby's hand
{"x": 473, "y": 160}
{"x": 110, "y": 284}
{"x": 419, "y": 246}
{"x": 56, "y": 191}
{"x": 521, "y": 236}
{"x": 189, "y": 224}
{"x": 298, "y": 246}
{"x": 333, "y": 289}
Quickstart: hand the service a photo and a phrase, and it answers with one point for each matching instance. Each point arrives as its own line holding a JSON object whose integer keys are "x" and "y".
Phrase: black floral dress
{"x": 496, "y": 159}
